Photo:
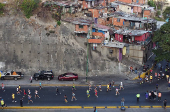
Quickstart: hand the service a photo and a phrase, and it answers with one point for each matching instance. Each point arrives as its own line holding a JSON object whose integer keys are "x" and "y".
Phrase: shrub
{"x": 1, "y": 8}
{"x": 28, "y": 6}
{"x": 58, "y": 23}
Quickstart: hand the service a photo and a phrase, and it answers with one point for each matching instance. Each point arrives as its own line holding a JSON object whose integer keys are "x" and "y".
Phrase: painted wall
{"x": 85, "y": 28}
{"x": 118, "y": 23}
{"x": 125, "y": 8}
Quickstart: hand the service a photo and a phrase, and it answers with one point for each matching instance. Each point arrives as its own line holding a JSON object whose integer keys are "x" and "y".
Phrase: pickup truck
{"x": 44, "y": 75}
{"x": 11, "y": 75}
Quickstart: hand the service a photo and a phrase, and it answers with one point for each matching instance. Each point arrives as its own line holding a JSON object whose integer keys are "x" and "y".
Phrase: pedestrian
{"x": 121, "y": 86}
{"x": 150, "y": 78}
{"x": 159, "y": 76}
{"x": 136, "y": 71}
{"x": 100, "y": 87}
{"x": 167, "y": 77}
{"x": 36, "y": 94}
{"x": 131, "y": 69}
{"x": 117, "y": 91}
{"x": 29, "y": 99}
{"x": 31, "y": 79}
{"x": 25, "y": 93}
{"x": 88, "y": 94}
{"x": 3, "y": 104}
{"x": 107, "y": 87}
{"x": 150, "y": 95}
{"x": 146, "y": 78}
{"x": 95, "y": 110}
{"x": 122, "y": 102}
{"x": 74, "y": 88}
{"x": 165, "y": 102}
{"x": 90, "y": 87}
{"x": 73, "y": 96}
{"x": 57, "y": 91}
{"x": 95, "y": 91}
{"x": 146, "y": 95}
{"x": 138, "y": 96}
{"x": 3, "y": 88}
{"x": 65, "y": 98}
{"x": 21, "y": 102}
{"x": 40, "y": 85}
{"x": 13, "y": 97}
{"x": 151, "y": 71}
{"x": 156, "y": 75}
{"x": 159, "y": 96}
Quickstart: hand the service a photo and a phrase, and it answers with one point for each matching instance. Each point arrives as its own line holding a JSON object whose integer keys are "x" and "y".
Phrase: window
{"x": 118, "y": 19}
{"x": 80, "y": 26}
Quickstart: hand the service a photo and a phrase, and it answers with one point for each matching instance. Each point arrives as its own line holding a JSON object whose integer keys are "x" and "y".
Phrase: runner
{"x": 13, "y": 97}
{"x": 138, "y": 96}
{"x": 157, "y": 86}
{"x": 163, "y": 75}
{"x": 150, "y": 97}
{"x": 29, "y": 99}
{"x": 3, "y": 104}
{"x": 29, "y": 92}
{"x": 18, "y": 92}
{"x": 113, "y": 83}
{"x": 165, "y": 102}
{"x": 57, "y": 91}
{"x": 146, "y": 78}
{"x": 3, "y": 87}
{"x": 156, "y": 75}
{"x": 150, "y": 78}
{"x": 36, "y": 94}
{"x": 19, "y": 88}
{"x": 25, "y": 93}
{"x": 159, "y": 96}
{"x": 90, "y": 87}
{"x": 74, "y": 87}
{"x": 159, "y": 76}
{"x": 117, "y": 91}
{"x": 73, "y": 96}
{"x": 100, "y": 87}
{"x": 141, "y": 80}
{"x": 167, "y": 77}
{"x": 146, "y": 95}
{"x": 40, "y": 85}
{"x": 65, "y": 98}
{"x": 88, "y": 94}
{"x": 107, "y": 87}
{"x": 155, "y": 94}
{"x": 121, "y": 86}
{"x": 110, "y": 86}
{"x": 95, "y": 90}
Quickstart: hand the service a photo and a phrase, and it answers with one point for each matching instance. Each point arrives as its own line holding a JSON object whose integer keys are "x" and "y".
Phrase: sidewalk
{"x": 90, "y": 110}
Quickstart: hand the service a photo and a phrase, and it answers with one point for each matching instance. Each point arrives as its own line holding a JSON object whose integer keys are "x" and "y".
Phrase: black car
{"x": 44, "y": 75}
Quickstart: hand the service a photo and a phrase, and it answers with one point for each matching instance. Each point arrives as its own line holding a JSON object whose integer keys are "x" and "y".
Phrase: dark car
{"x": 68, "y": 76}
{"x": 44, "y": 75}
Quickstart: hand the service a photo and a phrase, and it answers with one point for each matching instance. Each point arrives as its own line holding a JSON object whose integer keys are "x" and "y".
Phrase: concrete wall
{"x": 26, "y": 47}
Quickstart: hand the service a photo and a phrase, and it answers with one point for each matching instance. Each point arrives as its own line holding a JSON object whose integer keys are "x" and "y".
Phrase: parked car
{"x": 44, "y": 75}
{"x": 11, "y": 75}
{"x": 68, "y": 76}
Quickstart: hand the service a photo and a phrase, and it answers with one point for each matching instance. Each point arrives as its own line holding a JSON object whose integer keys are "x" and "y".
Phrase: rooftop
{"x": 131, "y": 32}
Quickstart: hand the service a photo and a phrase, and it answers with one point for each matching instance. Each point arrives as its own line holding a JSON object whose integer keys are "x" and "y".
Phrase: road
{"x": 49, "y": 98}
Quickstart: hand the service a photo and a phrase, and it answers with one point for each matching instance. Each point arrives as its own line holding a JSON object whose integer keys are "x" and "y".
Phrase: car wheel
{"x": 74, "y": 79}
{"x": 15, "y": 78}
{"x": 36, "y": 79}
{"x": 48, "y": 78}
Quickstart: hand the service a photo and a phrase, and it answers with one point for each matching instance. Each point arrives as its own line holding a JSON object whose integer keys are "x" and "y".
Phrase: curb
{"x": 48, "y": 85}
{"x": 78, "y": 107}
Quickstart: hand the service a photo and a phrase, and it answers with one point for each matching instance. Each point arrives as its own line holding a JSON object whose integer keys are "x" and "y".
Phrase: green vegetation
{"x": 151, "y": 3}
{"x": 158, "y": 13}
{"x": 166, "y": 13}
{"x": 1, "y": 8}
{"x": 58, "y": 23}
{"x": 162, "y": 39}
{"x": 28, "y": 6}
{"x": 159, "y": 19}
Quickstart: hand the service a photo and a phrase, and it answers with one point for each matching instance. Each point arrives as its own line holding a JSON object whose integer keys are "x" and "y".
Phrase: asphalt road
{"x": 49, "y": 98}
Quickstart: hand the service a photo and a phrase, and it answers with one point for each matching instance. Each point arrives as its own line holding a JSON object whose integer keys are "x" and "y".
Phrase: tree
{"x": 162, "y": 38}
{"x": 151, "y": 3}
{"x": 1, "y": 8}
{"x": 28, "y": 6}
{"x": 166, "y": 13}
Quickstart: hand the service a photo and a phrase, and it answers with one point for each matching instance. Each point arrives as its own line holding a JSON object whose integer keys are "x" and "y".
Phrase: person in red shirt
{"x": 3, "y": 87}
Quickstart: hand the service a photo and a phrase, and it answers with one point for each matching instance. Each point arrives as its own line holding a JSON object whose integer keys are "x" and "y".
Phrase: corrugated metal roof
{"x": 101, "y": 27}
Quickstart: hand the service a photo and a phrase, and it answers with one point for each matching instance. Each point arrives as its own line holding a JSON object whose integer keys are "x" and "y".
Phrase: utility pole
{"x": 88, "y": 36}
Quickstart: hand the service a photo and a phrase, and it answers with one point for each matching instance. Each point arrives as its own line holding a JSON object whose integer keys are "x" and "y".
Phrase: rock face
{"x": 26, "y": 47}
